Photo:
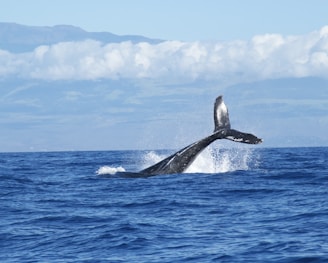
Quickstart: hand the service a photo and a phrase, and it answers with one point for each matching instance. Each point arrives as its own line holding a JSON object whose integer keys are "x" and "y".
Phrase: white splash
{"x": 109, "y": 170}
{"x": 213, "y": 160}
{"x": 150, "y": 158}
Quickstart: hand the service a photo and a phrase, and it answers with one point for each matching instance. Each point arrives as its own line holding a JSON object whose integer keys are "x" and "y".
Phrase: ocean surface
{"x": 232, "y": 205}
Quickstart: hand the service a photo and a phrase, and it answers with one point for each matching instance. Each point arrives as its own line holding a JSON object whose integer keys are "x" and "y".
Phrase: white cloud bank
{"x": 264, "y": 56}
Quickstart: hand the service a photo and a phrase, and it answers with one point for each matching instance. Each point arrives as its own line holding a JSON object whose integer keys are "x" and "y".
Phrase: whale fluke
{"x": 222, "y": 123}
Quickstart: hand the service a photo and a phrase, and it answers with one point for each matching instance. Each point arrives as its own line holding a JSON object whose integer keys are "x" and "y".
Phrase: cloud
{"x": 262, "y": 57}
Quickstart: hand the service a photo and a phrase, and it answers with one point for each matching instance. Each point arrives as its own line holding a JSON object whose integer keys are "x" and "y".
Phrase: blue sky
{"x": 186, "y": 20}
{"x": 88, "y": 95}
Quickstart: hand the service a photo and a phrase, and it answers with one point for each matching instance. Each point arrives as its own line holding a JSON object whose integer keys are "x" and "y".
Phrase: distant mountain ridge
{"x": 21, "y": 38}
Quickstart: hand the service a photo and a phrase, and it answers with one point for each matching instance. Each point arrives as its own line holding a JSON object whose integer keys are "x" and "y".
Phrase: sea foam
{"x": 109, "y": 170}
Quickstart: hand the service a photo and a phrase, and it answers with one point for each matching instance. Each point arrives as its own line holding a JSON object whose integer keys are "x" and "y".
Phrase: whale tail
{"x": 181, "y": 160}
{"x": 222, "y": 125}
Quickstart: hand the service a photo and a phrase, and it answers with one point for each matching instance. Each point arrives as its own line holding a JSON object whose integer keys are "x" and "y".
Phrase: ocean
{"x": 232, "y": 205}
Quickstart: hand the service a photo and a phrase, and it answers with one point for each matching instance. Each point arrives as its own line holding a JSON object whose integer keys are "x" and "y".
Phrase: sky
{"x": 185, "y": 20}
{"x": 88, "y": 95}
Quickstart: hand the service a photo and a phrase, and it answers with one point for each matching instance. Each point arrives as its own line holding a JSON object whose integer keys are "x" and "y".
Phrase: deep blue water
{"x": 266, "y": 205}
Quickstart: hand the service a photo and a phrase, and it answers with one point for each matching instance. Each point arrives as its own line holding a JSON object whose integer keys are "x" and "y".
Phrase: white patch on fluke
{"x": 236, "y": 139}
{"x": 221, "y": 111}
